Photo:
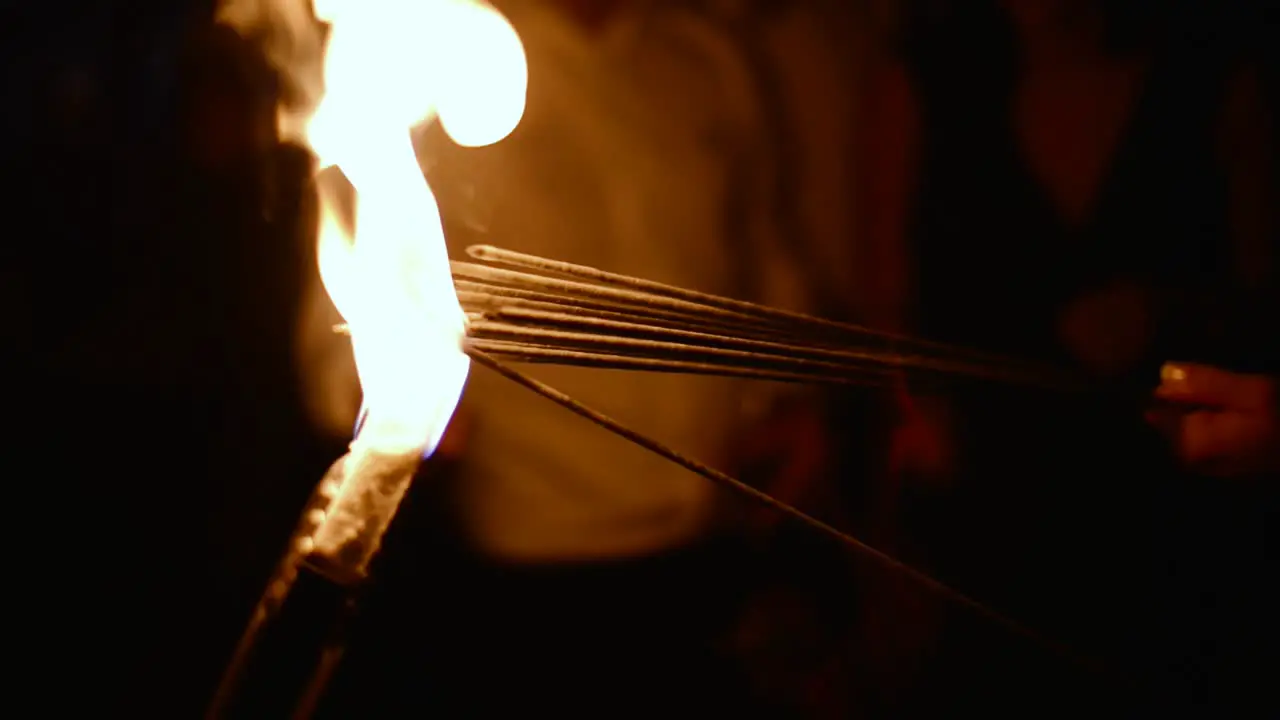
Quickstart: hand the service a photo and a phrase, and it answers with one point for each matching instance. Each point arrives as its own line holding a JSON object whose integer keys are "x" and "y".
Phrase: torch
{"x": 387, "y": 68}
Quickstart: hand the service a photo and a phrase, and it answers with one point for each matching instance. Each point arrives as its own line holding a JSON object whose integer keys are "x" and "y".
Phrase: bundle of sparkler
{"x": 529, "y": 309}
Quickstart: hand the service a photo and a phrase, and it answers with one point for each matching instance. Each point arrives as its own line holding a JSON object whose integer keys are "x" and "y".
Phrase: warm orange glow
{"x": 391, "y": 65}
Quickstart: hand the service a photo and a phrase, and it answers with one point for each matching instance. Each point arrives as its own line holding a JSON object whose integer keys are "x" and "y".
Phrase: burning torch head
{"x": 388, "y": 66}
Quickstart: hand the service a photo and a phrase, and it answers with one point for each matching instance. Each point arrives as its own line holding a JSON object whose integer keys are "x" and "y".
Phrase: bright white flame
{"x": 391, "y": 65}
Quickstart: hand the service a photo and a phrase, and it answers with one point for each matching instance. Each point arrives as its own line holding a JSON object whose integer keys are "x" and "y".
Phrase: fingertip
{"x": 1173, "y": 373}
{"x": 1184, "y": 382}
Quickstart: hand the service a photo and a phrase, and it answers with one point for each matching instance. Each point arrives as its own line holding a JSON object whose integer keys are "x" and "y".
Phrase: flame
{"x": 389, "y": 66}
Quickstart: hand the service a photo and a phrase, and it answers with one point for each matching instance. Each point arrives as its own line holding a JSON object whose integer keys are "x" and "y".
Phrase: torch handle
{"x": 295, "y": 638}
{"x": 288, "y": 651}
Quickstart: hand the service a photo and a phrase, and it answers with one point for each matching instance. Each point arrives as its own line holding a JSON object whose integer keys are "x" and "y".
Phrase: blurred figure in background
{"x": 1083, "y": 183}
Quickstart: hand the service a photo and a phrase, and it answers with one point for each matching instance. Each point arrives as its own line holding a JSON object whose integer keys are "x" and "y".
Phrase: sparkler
{"x": 604, "y": 319}
{"x": 623, "y": 322}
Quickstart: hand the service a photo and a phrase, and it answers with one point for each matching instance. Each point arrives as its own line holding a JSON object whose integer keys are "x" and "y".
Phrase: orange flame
{"x": 391, "y": 65}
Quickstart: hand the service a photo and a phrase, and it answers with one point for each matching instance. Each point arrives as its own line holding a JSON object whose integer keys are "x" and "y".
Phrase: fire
{"x": 389, "y": 66}
{"x": 354, "y": 96}
{"x": 358, "y": 76}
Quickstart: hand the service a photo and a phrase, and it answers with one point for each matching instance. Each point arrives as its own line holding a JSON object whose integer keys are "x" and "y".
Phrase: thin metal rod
{"x": 511, "y": 258}
{"x": 496, "y": 298}
{"x": 500, "y": 276}
{"x": 488, "y": 329}
{"x": 721, "y": 350}
{"x": 539, "y": 354}
{"x": 494, "y": 293}
{"x": 849, "y": 541}
{"x": 814, "y": 331}
{"x": 700, "y": 338}
{"x": 608, "y": 343}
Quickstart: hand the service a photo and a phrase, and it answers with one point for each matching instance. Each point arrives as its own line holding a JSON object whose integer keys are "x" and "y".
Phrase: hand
{"x": 1228, "y": 425}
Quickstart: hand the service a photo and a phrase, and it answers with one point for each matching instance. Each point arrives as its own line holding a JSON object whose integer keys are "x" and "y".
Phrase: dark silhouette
{"x": 1072, "y": 182}
{"x": 160, "y": 267}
